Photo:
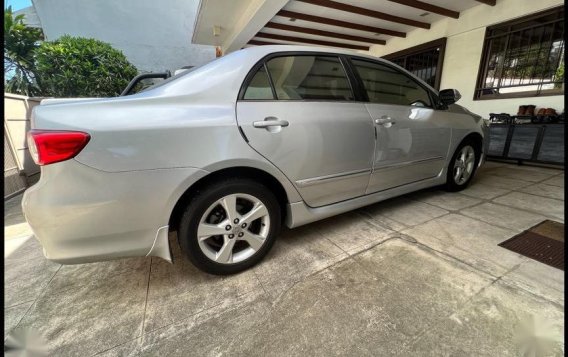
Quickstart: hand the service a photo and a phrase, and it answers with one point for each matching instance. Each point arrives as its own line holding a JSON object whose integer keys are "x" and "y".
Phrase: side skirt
{"x": 298, "y": 213}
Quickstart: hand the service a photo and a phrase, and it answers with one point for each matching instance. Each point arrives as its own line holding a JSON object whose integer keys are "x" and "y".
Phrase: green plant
{"x": 559, "y": 76}
{"x": 82, "y": 67}
{"x": 20, "y": 43}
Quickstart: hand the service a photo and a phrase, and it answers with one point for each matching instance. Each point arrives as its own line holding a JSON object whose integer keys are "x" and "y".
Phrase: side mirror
{"x": 449, "y": 96}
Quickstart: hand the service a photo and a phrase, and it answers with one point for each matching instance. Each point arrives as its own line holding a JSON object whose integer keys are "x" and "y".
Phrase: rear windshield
{"x": 172, "y": 78}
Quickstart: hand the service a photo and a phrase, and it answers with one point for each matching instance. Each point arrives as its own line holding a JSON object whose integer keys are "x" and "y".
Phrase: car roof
{"x": 268, "y": 49}
{"x": 223, "y": 77}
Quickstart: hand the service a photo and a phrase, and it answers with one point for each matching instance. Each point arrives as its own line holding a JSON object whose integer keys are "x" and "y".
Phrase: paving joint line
{"x": 37, "y": 298}
{"x": 418, "y": 336}
{"x": 18, "y": 304}
{"x": 147, "y": 295}
{"x": 259, "y": 282}
{"x": 179, "y": 321}
{"x": 451, "y": 257}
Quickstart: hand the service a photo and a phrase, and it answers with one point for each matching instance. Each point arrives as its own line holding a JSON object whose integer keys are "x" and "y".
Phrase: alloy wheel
{"x": 233, "y": 228}
{"x": 464, "y": 165}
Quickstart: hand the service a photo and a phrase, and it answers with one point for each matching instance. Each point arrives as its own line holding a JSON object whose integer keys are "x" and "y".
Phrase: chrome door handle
{"x": 270, "y": 121}
{"x": 384, "y": 120}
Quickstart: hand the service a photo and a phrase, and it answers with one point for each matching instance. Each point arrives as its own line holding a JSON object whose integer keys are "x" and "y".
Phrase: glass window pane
{"x": 424, "y": 65}
{"x": 389, "y": 86}
{"x": 259, "y": 87}
{"x": 309, "y": 78}
{"x": 526, "y": 56}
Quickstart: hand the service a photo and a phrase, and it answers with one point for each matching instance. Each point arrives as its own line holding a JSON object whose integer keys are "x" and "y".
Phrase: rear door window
{"x": 309, "y": 78}
{"x": 259, "y": 87}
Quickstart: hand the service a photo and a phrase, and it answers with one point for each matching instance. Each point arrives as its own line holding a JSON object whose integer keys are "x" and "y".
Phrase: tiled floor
{"x": 416, "y": 275}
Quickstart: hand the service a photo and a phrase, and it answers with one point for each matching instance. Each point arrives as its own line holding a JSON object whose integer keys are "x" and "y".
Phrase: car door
{"x": 299, "y": 111}
{"x": 412, "y": 140}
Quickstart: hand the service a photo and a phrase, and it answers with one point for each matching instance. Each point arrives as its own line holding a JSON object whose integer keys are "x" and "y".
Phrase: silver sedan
{"x": 228, "y": 152}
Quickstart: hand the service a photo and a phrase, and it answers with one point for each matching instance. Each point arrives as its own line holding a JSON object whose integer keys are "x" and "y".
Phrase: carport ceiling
{"x": 355, "y": 24}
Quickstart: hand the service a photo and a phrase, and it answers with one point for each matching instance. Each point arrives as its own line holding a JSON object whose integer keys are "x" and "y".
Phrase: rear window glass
{"x": 259, "y": 87}
{"x": 309, "y": 78}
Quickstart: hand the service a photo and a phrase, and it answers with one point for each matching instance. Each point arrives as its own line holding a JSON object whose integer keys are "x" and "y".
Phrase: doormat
{"x": 543, "y": 242}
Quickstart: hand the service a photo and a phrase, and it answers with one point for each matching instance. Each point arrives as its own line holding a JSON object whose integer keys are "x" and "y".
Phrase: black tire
{"x": 203, "y": 199}
{"x": 451, "y": 184}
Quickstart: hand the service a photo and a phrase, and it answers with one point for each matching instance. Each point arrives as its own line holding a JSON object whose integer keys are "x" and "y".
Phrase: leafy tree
{"x": 82, "y": 67}
{"x": 20, "y": 42}
{"x": 559, "y": 76}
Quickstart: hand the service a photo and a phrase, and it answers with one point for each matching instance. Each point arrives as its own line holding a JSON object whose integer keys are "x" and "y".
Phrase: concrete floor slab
{"x": 484, "y": 192}
{"x": 369, "y": 214}
{"x": 177, "y": 291}
{"x": 443, "y": 296}
{"x": 492, "y": 164}
{"x": 492, "y": 322}
{"x": 24, "y": 280}
{"x": 550, "y": 169}
{"x": 71, "y": 276}
{"x": 13, "y": 211}
{"x": 544, "y": 190}
{"x": 469, "y": 240}
{"x": 298, "y": 253}
{"x": 352, "y": 233}
{"x": 540, "y": 279}
{"x": 80, "y": 317}
{"x": 401, "y": 277}
{"x": 452, "y": 201}
{"x": 293, "y": 323}
{"x": 14, "y": 314}
{"x": 555, "y": 181}
{"x": 504, "y": 216}
{"x": 26, "y": 247}
{"x": 537, "y": 204}
{"x": 519, "y": 173}
{"x": 425, "y": 284}
{"x": 500, "y": 181}
{"x": 405, "y": 211}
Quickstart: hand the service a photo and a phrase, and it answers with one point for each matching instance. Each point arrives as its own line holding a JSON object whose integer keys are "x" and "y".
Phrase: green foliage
{"x": 82, "y": 67}
{"x": 559, "y": 76}
{"x": 20, "y": 43}
{"x": 68, "y": 67}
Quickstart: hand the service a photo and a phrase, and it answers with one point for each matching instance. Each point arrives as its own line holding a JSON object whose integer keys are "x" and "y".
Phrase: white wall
{"x": 464, "y": 47}
{"x": 154, "y": 35}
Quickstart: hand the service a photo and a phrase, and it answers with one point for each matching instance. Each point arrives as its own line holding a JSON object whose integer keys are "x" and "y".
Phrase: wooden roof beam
{"x": 488, "y": 2}
{"x": 275, "y": 25}
{"x": 339, "y": 23}
{"x": 367, "y": 12}
{"x": 310, "y": 41}
{"x": 428, "y": 7}
{"x": 262, "y": 43}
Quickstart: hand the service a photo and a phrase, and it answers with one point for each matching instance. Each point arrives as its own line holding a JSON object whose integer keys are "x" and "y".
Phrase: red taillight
{"x": 50, "y": 146}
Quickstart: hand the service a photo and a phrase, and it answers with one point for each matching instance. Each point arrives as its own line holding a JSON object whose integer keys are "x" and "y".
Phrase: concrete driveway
{"x": 417, "y": 275}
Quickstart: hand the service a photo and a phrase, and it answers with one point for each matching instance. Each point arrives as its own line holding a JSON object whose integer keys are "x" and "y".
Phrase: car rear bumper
{"x": 81, "y": 214}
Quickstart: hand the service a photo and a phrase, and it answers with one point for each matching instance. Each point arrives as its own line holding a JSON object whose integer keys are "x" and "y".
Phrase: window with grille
{"x": 523, "y": 58}
{"x": 424, "y": 61}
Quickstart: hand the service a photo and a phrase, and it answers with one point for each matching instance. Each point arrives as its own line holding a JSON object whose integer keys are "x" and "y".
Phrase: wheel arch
{"x": 476, "y": 138}
{"x": 247, "y": 172}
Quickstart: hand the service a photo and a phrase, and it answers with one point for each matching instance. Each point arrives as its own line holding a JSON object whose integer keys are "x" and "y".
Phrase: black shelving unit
{"x": 539, "y": 143}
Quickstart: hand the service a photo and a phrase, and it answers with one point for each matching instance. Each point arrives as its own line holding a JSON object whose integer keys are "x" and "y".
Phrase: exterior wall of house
{"x": 154, "y": 35}
{"x": 464, "y": 48}
{"x": 18, "y": 163}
